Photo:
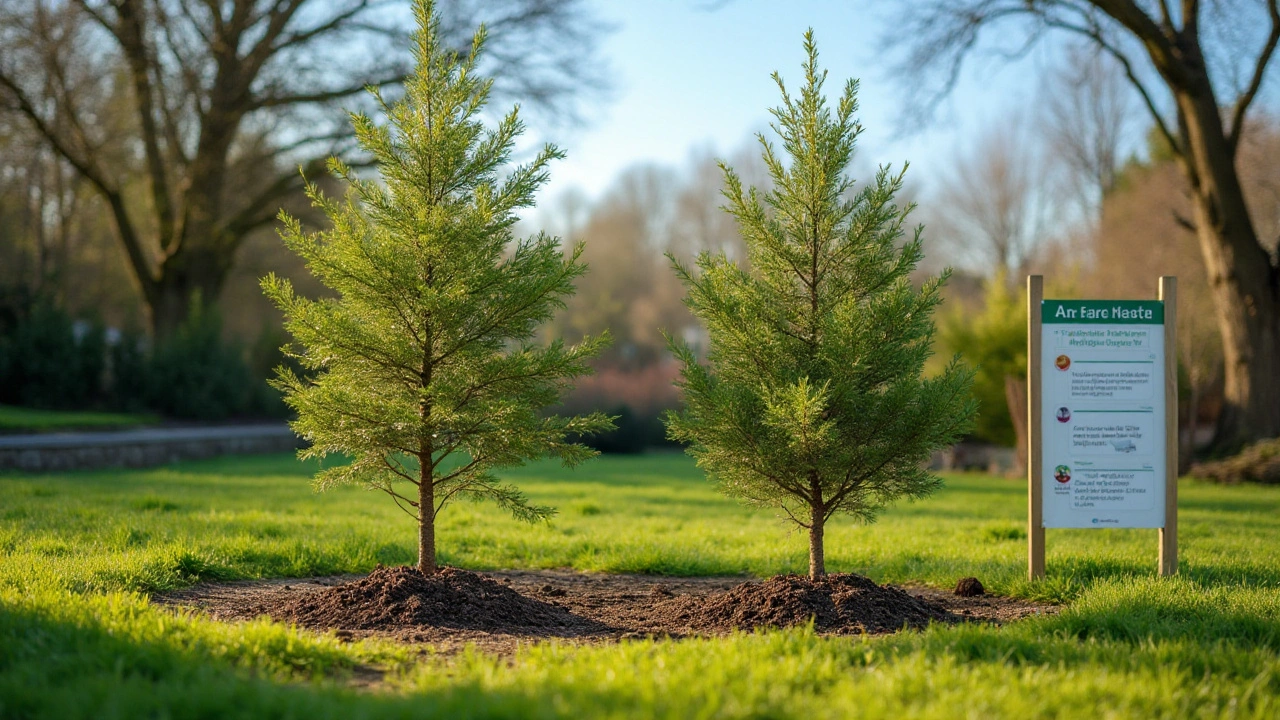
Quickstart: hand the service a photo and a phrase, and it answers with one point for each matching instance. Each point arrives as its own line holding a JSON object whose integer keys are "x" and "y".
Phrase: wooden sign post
{"x": 1035, "y": 438}
{"x": 1169, "y": 533}
{"x": 1102, "y": 417}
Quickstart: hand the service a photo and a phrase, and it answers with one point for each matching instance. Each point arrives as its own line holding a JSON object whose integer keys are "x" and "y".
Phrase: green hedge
{"x": 50, "y": 360}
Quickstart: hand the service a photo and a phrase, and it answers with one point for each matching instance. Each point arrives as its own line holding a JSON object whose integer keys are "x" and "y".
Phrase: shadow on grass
{"x": 104, "y": 657}
{"x": 71, "y": 667}
{"x": 74, "y": 667}
{"x": 81, "y": 666}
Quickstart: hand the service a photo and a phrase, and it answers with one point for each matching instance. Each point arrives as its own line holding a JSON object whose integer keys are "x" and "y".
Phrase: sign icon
{"x": 1125, "y": 445}
{"x": 1063, "y": 362}
{"x": 1062, "y": 474}
{"x": 1064, "y": 415}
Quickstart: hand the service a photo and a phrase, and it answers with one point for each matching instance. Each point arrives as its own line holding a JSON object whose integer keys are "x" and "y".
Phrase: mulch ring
{"x": 497, "y": 611}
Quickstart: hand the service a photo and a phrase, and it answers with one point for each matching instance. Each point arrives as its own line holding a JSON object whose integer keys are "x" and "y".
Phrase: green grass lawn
{"x": 78, "y": 637}
{"x": 20, "y": 419}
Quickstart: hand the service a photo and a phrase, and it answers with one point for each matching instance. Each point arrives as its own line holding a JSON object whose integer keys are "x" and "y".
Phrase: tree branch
{"x": 89, "y": 171}
{"x": 1138, "y": 22}
{"x": 1255, "y": 82}
{"x": 395, "y": 468}
{"x": 264, "y": 49}
{"x": 97, "y": 16}
{"x": 255, "y": 214}
{"x": 336, "y": 22}
{"x": 1094, "y": 34}
{"x": 133, "y": 42}
{"x": 794, "y": 519}
{"x": 1190, "y": 15}
{"x": 270, "y": 101}
{"x": 398, "y": 498}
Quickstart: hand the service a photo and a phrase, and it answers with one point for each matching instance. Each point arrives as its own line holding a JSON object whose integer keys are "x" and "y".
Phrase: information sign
{"x": 1102, "y": 413}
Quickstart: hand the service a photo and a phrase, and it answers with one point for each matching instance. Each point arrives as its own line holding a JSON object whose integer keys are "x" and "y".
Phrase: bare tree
{"x": 1197, "y": 68}
{"x": 54, "y": 244}
{"x": 990, "y": 209}
{"x": 1088, "y": 111}
{"x": 629, "y": 291}
{"x": 700, "y": 224}
{"x": 224, "y": 99}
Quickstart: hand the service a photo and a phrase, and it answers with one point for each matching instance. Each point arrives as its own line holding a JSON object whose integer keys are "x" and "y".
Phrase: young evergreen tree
{"x": 424, "y": 369}
{"x": 812, "y": 399}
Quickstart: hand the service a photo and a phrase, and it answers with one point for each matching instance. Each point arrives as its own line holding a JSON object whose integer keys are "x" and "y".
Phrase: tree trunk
{"x": 426, "y": 521}
{"x": 1251, "y": 390}
{"x": 194, "y": 276}
{"x": 1248, "y": 313}
{"x": 1187, "y": 450}
{"x": 817, "y": 563}
{"x": 1015, "y": 396}
{"x": 1242, "y": 277}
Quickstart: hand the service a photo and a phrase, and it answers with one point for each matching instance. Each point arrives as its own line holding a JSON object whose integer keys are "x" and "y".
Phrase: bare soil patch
{"x": 497, "y": 611}
{"x": 402, "y": 597}
{"x": 840, "y": 604}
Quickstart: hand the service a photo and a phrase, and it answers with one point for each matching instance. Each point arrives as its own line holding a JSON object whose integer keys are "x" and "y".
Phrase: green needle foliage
{"x": 424, "y": 369}
{"x": 813, "y": 399}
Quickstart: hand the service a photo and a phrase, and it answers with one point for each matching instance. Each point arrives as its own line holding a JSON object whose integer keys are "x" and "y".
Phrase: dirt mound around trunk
{"x": 839, "y": 603}
{"x": 402, "y": 597}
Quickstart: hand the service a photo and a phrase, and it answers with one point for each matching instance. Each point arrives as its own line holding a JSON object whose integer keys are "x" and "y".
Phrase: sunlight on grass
{"x": 258, "y": 517}
{"x": 76, "y": 641}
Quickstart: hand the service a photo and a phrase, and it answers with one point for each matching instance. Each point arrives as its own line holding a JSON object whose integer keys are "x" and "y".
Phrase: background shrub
{"x": 47, "y": 360}
{"x": 194, "y": 374}
{"x": 50, "y": 360}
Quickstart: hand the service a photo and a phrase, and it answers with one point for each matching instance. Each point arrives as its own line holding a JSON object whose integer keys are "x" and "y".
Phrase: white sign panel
{"x": 1103, "y": 399}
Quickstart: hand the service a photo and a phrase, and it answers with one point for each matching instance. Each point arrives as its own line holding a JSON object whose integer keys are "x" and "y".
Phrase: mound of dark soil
{"x": 402, "y": 597}
{"x": 839, "y": 603}
{"x": 969, "y": 587}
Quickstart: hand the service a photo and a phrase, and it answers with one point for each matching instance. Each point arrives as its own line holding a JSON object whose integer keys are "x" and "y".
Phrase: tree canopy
{"x": 812, "y": 398}
{"x": 423, "y": 367}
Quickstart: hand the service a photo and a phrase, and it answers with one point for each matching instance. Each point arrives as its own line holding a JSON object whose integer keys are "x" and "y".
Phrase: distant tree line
{"x": 177, "y": 127}
{"x": 146, "y": 147}
{"x": 1096, "y": 186}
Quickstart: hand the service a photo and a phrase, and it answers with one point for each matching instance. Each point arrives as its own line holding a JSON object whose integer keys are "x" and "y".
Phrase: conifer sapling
{"x": 423, "y": 366}
{"x": 812, "y": 398}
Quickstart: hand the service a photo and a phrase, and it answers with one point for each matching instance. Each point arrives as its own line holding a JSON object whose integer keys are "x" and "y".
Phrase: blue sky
{"x": 688, "y": 77}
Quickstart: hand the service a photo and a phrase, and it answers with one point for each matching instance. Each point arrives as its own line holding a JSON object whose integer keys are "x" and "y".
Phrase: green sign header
{"x": 1102, "y": 312}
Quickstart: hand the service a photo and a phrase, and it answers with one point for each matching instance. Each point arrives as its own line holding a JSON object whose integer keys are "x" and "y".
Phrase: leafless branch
{"x": 1255, "y": 81}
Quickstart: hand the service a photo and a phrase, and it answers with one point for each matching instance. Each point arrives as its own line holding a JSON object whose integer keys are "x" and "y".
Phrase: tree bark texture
{"x": 1242, "y": 276}
{"x": 817, "y": 563}
{"x": 817, "y": 520}
{"x": 188, "y": 277}
{"x": 426, "y": 521}
{"x": 1015, "y": 396}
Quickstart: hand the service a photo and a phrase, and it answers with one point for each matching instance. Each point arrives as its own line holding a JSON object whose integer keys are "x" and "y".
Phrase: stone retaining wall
{"x": 140, "y": 448}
